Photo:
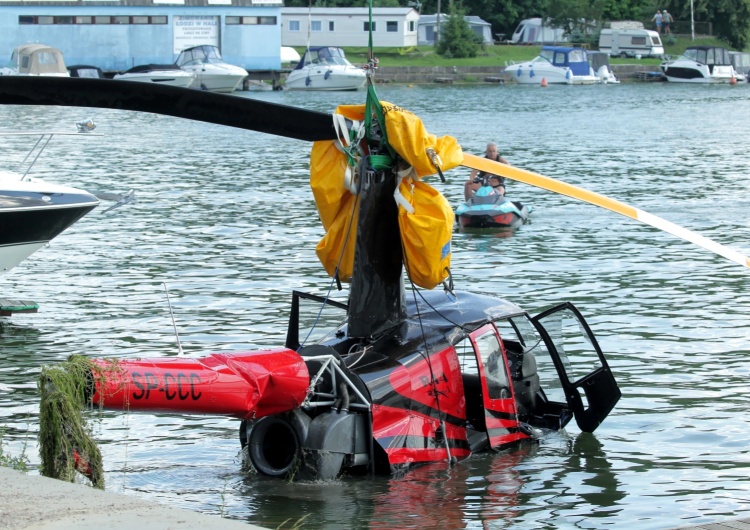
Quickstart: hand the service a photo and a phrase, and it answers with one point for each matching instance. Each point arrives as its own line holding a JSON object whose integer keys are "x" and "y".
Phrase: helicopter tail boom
{"x": 240, "y": 385}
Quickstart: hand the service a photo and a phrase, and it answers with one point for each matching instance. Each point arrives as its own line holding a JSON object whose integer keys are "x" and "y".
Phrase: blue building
{"x": 118, "y": 34}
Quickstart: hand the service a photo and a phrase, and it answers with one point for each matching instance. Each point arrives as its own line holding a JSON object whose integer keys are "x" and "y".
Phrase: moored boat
{"x": 701, "y": 64}
{"x": 33, "y": 212}
{"x": 555, "y": 65}
{"x": 325, "y": 68}
{"x": 37, "y": 60}
{"x": 210, "y": 71}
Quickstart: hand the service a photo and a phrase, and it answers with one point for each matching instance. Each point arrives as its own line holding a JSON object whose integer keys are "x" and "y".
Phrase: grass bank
{"x": 497, "y": 55}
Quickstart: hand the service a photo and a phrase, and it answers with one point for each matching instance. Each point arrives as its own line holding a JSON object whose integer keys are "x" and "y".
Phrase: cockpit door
{"x": 500, "y": 415}
{"x": 580, "y": 364}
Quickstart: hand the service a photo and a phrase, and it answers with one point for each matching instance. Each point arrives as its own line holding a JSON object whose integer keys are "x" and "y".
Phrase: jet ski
{"x": 489, "y": 209}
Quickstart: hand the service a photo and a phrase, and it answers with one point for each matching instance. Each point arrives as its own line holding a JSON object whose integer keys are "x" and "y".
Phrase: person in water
{"x": 477, "y": 179}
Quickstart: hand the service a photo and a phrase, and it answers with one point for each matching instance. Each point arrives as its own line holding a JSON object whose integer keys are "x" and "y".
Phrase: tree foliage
{"x": 730, "y": 19}
{"x": 456, "y": 37}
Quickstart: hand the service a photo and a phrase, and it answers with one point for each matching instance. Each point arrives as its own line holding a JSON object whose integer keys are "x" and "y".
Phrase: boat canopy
{"x": 574, "y": 58}
{"x": 323, "y": 55}
{"x": 710, "y": 55}
{"x": 37, "y": 59}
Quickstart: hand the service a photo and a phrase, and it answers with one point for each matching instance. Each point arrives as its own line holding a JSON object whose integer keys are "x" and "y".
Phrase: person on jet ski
{"x": 477, "y": 179}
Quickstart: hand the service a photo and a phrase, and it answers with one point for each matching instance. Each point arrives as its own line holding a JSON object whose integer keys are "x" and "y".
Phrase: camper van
{"x": 631, "y": 43}
{"x": 537, "y": 31}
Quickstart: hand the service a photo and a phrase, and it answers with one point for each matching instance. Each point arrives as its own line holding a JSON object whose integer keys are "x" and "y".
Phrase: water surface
{"x": 226, "y": 219}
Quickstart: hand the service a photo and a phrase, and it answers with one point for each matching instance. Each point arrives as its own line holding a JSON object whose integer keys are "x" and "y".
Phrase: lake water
{"x": 225, "y": 217}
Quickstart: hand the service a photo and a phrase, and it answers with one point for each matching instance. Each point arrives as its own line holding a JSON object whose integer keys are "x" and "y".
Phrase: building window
{"x": 250, "y": 21}
{"x": 331, "y": 25}
{"x": 316, "y": 25}
{"x": 294, "y": 25}
{"x": 391, "y": 26}
{"x": 367, "y": 26}
{"x": 84, "y": 19}
{"x": 411, "y": 25}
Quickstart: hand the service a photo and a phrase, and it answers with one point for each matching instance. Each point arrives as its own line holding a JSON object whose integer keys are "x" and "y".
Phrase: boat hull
{"x": 698, "y": 74}
{"x": 221, "y": 82}
{"x": 528, "y": 74}
{"x": 488, "y": 220}
{"x": 171, "y": 78}
{"x": 34, "y": 213}
{"x": 326, "y": 78}
{"x": 494, "y": 212}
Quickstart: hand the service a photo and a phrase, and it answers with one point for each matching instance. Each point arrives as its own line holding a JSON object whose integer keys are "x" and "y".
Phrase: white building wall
{"x": 394, "y": 27}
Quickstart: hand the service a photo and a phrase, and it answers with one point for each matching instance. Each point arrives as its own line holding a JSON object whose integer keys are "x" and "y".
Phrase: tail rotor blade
{"x": 557, "y": 186}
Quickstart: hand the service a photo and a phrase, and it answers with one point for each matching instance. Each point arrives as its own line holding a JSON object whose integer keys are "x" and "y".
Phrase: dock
{"x": 10, "y": 307}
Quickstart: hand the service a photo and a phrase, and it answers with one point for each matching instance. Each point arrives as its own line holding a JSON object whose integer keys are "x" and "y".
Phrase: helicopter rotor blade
{"x": 290, "y": 122}
{"x": 200, "y": 105}
{"x": 557, "y": 186}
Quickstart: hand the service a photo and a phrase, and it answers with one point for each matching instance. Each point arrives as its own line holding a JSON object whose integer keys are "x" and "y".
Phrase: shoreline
{"x": 34, "y": 502}
{"x": 490, "y": 74}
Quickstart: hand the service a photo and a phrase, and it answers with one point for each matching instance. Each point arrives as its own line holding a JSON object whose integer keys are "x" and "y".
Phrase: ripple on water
{"x": 225, "y": 218}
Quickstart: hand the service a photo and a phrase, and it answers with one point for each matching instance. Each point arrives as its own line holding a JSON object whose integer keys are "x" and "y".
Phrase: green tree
{"x": 456, "y": 37}
{"x": 730, "y": 18}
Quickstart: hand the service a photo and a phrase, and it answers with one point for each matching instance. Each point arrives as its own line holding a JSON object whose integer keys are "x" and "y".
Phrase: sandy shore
{"x": 35, "y": 502}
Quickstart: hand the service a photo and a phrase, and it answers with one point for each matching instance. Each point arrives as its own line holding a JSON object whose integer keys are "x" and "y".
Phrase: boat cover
{"x": 331, "y": 167}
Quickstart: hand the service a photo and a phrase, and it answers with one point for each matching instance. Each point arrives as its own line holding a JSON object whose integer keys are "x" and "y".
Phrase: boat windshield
{"x": 13, "y": 63}
{"x": 326, "y": 56}
{"x": 200, "y": 55}
{"x": 718, "y": 56}
{"x": 548, "y": 55}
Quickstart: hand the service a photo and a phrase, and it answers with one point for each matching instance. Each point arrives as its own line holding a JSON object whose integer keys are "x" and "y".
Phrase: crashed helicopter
{"x": 405, "y": 379}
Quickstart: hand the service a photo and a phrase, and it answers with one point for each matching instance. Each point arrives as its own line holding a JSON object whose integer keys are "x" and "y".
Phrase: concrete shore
{"x": 33, "y": 502}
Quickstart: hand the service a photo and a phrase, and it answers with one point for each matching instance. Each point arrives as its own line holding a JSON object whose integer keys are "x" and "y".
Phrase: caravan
{"x": 537, "y": 31}
{"x": 631, "y": 43}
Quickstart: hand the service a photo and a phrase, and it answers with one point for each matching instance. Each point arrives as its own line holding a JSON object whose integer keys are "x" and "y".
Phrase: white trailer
{"x": 631, "y": 43}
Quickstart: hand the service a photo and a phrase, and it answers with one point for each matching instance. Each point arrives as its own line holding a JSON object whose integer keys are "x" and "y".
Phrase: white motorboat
{"x": 162, "y": 74}
{"x": 701, "y": 64}
{"x": 599, "y": 62}
{"x": 32, "y": 211}
{"x": 36, "y": 59}
{"x": 555, "y": 65}
{"x": 210, "y": 71}
{"x": 325, "y": 68}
